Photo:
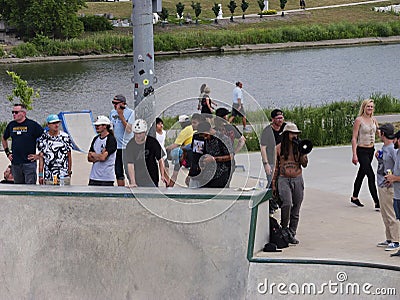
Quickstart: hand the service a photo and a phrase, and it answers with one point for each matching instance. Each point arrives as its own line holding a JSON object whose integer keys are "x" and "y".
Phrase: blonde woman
{"x": 362, "y": 142}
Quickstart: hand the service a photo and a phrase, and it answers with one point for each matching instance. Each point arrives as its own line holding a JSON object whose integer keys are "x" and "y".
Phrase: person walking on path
{"x": 386, "y": 158}
{"x": 288, "y": 180}
{"x": 238, "y": 105}
{"x": 207, "y": 105}
{"x": 270, "y": 137}
{"x": 362, "y": 142}
{"x": 24, "y": 132}
{"x": 143, "y": 153}
{"x": 121, "y": 118}
{"x": 55, "y": 159}
{"x": 102, "y": 154}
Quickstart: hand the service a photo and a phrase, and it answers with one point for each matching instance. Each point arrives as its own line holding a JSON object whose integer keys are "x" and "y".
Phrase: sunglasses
{"x": 14, "y": 112}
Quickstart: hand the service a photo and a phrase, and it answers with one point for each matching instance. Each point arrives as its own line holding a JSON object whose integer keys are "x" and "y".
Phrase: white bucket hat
{"x": 291, "y": 127}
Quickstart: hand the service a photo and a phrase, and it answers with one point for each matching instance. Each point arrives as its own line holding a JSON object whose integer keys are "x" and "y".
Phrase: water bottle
{"x": 62, "y": 181}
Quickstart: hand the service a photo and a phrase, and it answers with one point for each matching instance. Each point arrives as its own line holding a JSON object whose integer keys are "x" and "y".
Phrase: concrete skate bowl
{"x": 80, "y": 242}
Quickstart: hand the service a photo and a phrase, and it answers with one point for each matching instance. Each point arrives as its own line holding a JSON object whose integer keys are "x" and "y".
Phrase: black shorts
{"x": 238, "y": 112}
{"x": 119, "y": 165}
{"x": 100, "y": 182}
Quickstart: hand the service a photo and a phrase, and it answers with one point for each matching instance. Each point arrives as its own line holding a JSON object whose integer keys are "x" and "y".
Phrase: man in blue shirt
{"x": 24, "y": 132}
{"x": 121, "y": 118}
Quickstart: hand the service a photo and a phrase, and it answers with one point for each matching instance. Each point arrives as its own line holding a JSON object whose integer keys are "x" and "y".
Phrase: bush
{"x": 25, "y": 50}
{"x": 2, "y": 53}
{"x": 268, "y": 12}
{"x": 96, "y": 23}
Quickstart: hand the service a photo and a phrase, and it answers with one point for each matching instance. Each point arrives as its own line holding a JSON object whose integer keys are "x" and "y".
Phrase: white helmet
{"x": 139, "y": 126}
{"x": 102, "y": 120}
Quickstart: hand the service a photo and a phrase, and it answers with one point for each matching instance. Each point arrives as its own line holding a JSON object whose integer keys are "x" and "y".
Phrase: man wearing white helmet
{"x": 55, "y": 159}
{"x": 102, "y": 154}
{"x": 143, "y": 152}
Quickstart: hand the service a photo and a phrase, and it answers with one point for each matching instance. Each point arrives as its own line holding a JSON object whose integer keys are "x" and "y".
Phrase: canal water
{"x": 283, "y": 78}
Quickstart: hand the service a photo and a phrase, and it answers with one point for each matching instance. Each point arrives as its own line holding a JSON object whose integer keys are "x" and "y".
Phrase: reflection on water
{"x": 281, "y": 78}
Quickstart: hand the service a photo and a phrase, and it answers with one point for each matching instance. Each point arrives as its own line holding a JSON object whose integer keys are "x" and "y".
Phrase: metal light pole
{"x": 143, "y": 56}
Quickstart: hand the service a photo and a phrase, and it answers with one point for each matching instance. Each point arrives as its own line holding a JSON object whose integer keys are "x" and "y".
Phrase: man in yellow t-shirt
{"x": 183, "y": 139}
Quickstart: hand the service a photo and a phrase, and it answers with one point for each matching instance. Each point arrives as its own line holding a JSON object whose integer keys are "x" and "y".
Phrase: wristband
{"x": 40, "y": 174}
{"x": 7, "y": 151}
{"x": 265, "y": 163}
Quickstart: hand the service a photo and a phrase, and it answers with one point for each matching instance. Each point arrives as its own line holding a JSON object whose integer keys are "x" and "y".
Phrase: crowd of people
{"x": 124, "y": 152}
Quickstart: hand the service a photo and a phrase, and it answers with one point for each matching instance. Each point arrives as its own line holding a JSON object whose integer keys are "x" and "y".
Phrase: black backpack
{"x": 276, "y": 234}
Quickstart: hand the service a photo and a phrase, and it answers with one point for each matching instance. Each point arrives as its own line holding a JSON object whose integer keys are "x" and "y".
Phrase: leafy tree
{"x": 53, "y": 18}
{"x": 197, "y": 10}
{"x": 244, "y": 6}
{"x": 282, "y": 5}
{"x": 22, "y": 90}
{"x": 232, "y": 6}
{"x": 215, "y": 9}
{"x": 179, "y": 10}
{"x": 261, "y": 6}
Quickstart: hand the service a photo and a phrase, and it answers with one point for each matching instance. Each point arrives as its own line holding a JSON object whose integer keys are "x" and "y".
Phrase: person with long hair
{"x": 102, "y": 154}
{"x": 288, "y": 180}
{"x": 362, "y": 142}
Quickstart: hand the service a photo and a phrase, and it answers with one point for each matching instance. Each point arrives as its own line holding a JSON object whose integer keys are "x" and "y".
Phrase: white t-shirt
{"x": 161, "y": 140}
{"x": 237, "y": 94}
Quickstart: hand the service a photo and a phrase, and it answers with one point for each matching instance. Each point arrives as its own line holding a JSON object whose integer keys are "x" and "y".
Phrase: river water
{"x": 275, "y": 79}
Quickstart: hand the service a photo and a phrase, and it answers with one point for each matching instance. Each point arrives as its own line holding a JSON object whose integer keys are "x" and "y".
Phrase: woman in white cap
{"x": 102, "y": 154}
{"x": 288, "y": 180}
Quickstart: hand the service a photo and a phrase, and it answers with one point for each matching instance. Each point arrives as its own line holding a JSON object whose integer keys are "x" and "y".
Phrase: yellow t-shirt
{"x": 185, "y": 136}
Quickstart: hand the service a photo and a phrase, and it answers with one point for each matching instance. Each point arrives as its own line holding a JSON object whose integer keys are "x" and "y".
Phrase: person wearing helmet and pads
{"x": 143, "y": 152}
{"x": 102, "y": 154}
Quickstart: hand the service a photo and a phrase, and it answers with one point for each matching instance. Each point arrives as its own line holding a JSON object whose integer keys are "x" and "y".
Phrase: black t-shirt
{"x": 212, "y": 175}
{"x": 145, "y": 158}
{"x": 271, "y": 138}
{"x": 24, "y": 136}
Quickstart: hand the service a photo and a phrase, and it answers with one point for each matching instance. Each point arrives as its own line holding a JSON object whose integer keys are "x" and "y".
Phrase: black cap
{"x": 388, "y": 130}
{"x": 397, "y": 135}
{"x": 222, "y": 112}
{"x": 120, "y": 98}
{"x": 276, "y": 112}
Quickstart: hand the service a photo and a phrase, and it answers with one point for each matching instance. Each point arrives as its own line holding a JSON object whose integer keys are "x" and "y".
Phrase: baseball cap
{"x": 388, "y": 130}
{"x": 183, "y": 118}
{"x": 275, "y": 113}
{"x": 102, "y": 120}
{"x": 222, "y": 112}
{"x": 120, "y": 98}
{"x": 139, "y": 126}
{"x": 52, "y": 119}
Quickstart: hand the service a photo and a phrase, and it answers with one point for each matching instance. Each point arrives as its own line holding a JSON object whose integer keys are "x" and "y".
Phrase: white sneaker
{"x": 392, "y": 246}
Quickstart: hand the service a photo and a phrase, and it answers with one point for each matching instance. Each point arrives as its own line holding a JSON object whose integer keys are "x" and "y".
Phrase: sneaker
{"x": 247, "y": 129}
{"x": 392, "y": 246}
{"x": 384, "y": 244}
{"x": 395, "y": 254}
{"x": 356, "y": 202}
{"x": 295, "y": 241}
{"x": 377, "y": 206}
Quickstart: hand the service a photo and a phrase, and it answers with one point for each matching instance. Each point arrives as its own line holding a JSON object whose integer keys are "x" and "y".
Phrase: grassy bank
{"x": 102, "y": 43}
{"x": 310, "y": 25}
